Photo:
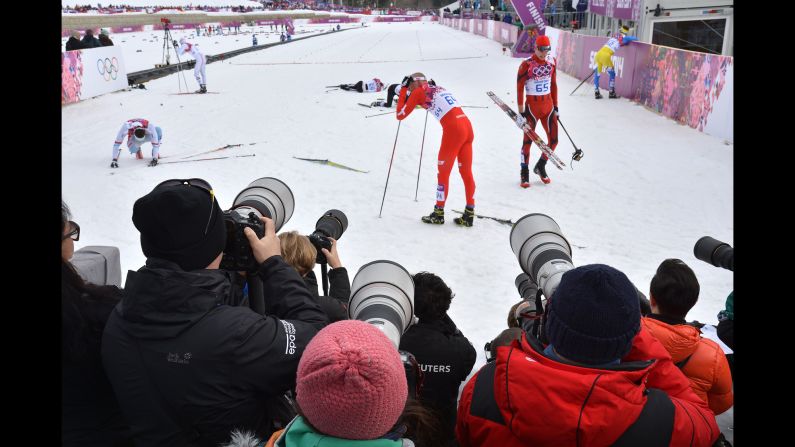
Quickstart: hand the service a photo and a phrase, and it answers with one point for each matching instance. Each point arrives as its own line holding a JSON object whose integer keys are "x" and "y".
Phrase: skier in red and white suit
{"x": 537, "y": 88}
{"x": 457, "y": 137}
{"x": 373, "y": 85}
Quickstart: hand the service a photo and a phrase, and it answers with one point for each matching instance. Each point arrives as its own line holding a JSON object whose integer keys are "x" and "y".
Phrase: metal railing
{"x": 142, "y": 76}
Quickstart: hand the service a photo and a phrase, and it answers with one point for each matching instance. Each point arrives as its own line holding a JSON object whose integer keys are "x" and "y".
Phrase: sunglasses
{"x": 74, "y": 234}
{"x": 544, "y": 48}
{"x": 198, "y": 183}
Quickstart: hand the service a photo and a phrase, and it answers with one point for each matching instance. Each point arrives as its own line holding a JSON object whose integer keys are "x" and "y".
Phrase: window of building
{"x": 705, "y": 36}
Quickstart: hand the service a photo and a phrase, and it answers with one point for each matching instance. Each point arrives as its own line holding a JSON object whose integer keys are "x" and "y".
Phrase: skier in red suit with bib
{"x": 537, "y": 87}
{"x": 457, "y": 137}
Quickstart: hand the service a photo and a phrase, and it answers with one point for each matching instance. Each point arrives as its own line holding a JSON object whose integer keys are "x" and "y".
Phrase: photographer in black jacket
{"x": 186, "y": 365}
{"x": 299, "y": 252}
{"x": 445, "y": 355}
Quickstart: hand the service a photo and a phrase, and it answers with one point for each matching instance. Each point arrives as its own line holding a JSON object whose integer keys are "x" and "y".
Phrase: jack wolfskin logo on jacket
{"x": 289, "y": 330}
{"x": 177, "y": 358}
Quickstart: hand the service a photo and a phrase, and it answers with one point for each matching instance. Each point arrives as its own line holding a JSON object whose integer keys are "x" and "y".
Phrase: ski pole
{"x": 581, "y": 83}
{"x": 205, "y": 159}
{"x": 228, "y": 146}
{"x": 577, "y": 155}
{"x": 378, "y": 114}
{"x": 421, "y": 149}
{"x": 179, "y": 66}
{"x": 390, "y": 170}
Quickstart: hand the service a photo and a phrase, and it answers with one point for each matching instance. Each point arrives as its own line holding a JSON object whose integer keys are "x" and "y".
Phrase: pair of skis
{"x": 530, "y": 132}
{"x": 206, "y": 159}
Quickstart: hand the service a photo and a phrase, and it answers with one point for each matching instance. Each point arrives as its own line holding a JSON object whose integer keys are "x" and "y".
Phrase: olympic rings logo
{"x": 108, "y": 68}
{"x": 542, "y": 70}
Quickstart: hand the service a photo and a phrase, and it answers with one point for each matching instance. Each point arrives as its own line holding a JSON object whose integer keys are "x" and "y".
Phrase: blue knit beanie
{"x": 593, "y": 315}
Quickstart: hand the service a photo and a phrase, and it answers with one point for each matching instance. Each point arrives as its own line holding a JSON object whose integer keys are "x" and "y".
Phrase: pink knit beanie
{"x": 351, "y": 383}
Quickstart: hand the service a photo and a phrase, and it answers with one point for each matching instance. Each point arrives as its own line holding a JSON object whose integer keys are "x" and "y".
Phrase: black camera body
{"x": 319, "y": 240}
{"x": 415, "y": 378}
{"x": 237, "y": 254}
{"x": 332, "y": 223}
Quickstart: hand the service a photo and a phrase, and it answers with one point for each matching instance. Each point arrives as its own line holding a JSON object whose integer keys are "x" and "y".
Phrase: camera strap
{"x": 324, "y": 277}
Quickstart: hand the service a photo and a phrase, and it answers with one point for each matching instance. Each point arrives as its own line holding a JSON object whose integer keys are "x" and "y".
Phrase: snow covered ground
{"x": 646, "y": 190}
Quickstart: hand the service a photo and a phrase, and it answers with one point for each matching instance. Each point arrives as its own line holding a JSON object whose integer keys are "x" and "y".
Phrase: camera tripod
{"x": 167, "y": 42}
{"x": 167, "y": 39}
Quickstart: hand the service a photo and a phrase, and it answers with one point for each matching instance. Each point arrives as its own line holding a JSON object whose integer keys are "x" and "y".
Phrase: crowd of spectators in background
{"x": 274, "y": 6}
{"x": 89, "y": 40}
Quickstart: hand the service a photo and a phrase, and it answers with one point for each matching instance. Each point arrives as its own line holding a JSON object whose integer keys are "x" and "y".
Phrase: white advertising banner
{"x": 91, "y": 72}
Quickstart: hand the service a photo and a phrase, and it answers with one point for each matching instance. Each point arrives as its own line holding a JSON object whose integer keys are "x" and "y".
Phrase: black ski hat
{"x": 594, "y": 315}
{"x": 180, "y": 223}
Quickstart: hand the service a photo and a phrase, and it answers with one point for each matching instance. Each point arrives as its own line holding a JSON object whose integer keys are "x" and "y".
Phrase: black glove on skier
{"x": 432, "y": 82}
{"x": 153, "y": 162}
{"x": 406, "y": 81}
{"x": 556, "y": 111}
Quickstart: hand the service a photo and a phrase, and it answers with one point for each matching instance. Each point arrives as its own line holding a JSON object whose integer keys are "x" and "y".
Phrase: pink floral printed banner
{"x": 683, "y": 85}
{"x": 71, "y": 76}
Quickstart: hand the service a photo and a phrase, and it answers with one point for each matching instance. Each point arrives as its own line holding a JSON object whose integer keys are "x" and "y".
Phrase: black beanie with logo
{"x": 180, "y": 223}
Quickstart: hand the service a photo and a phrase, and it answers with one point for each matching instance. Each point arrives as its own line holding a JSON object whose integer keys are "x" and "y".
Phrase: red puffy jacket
{"x": 535, "y": 401}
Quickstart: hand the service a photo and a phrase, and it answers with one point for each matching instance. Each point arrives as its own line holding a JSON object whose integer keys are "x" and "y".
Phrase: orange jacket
{"x": 707, "y": 367}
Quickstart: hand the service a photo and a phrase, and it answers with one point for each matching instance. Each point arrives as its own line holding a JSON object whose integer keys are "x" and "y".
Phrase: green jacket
{"x": 728, "y": 313}
{"x": 299, "y": 434}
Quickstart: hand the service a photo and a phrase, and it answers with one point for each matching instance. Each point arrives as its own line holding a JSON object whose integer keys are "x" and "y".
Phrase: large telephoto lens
{"x": 715, "y": 252}
{"x": 332, "y": 224}
{"x": 543, "y": 253}
{"x": 382, "y": 294}
{"x": 267, "y": 197}
{"x": 527, "y": 287}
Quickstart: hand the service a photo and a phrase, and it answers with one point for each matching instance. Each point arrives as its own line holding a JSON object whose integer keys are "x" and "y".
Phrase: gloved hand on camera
{"x": 406, "y": 81}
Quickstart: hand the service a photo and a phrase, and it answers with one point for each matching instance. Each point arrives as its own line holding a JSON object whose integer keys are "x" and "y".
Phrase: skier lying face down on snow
{"x": 373, "y": 85}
